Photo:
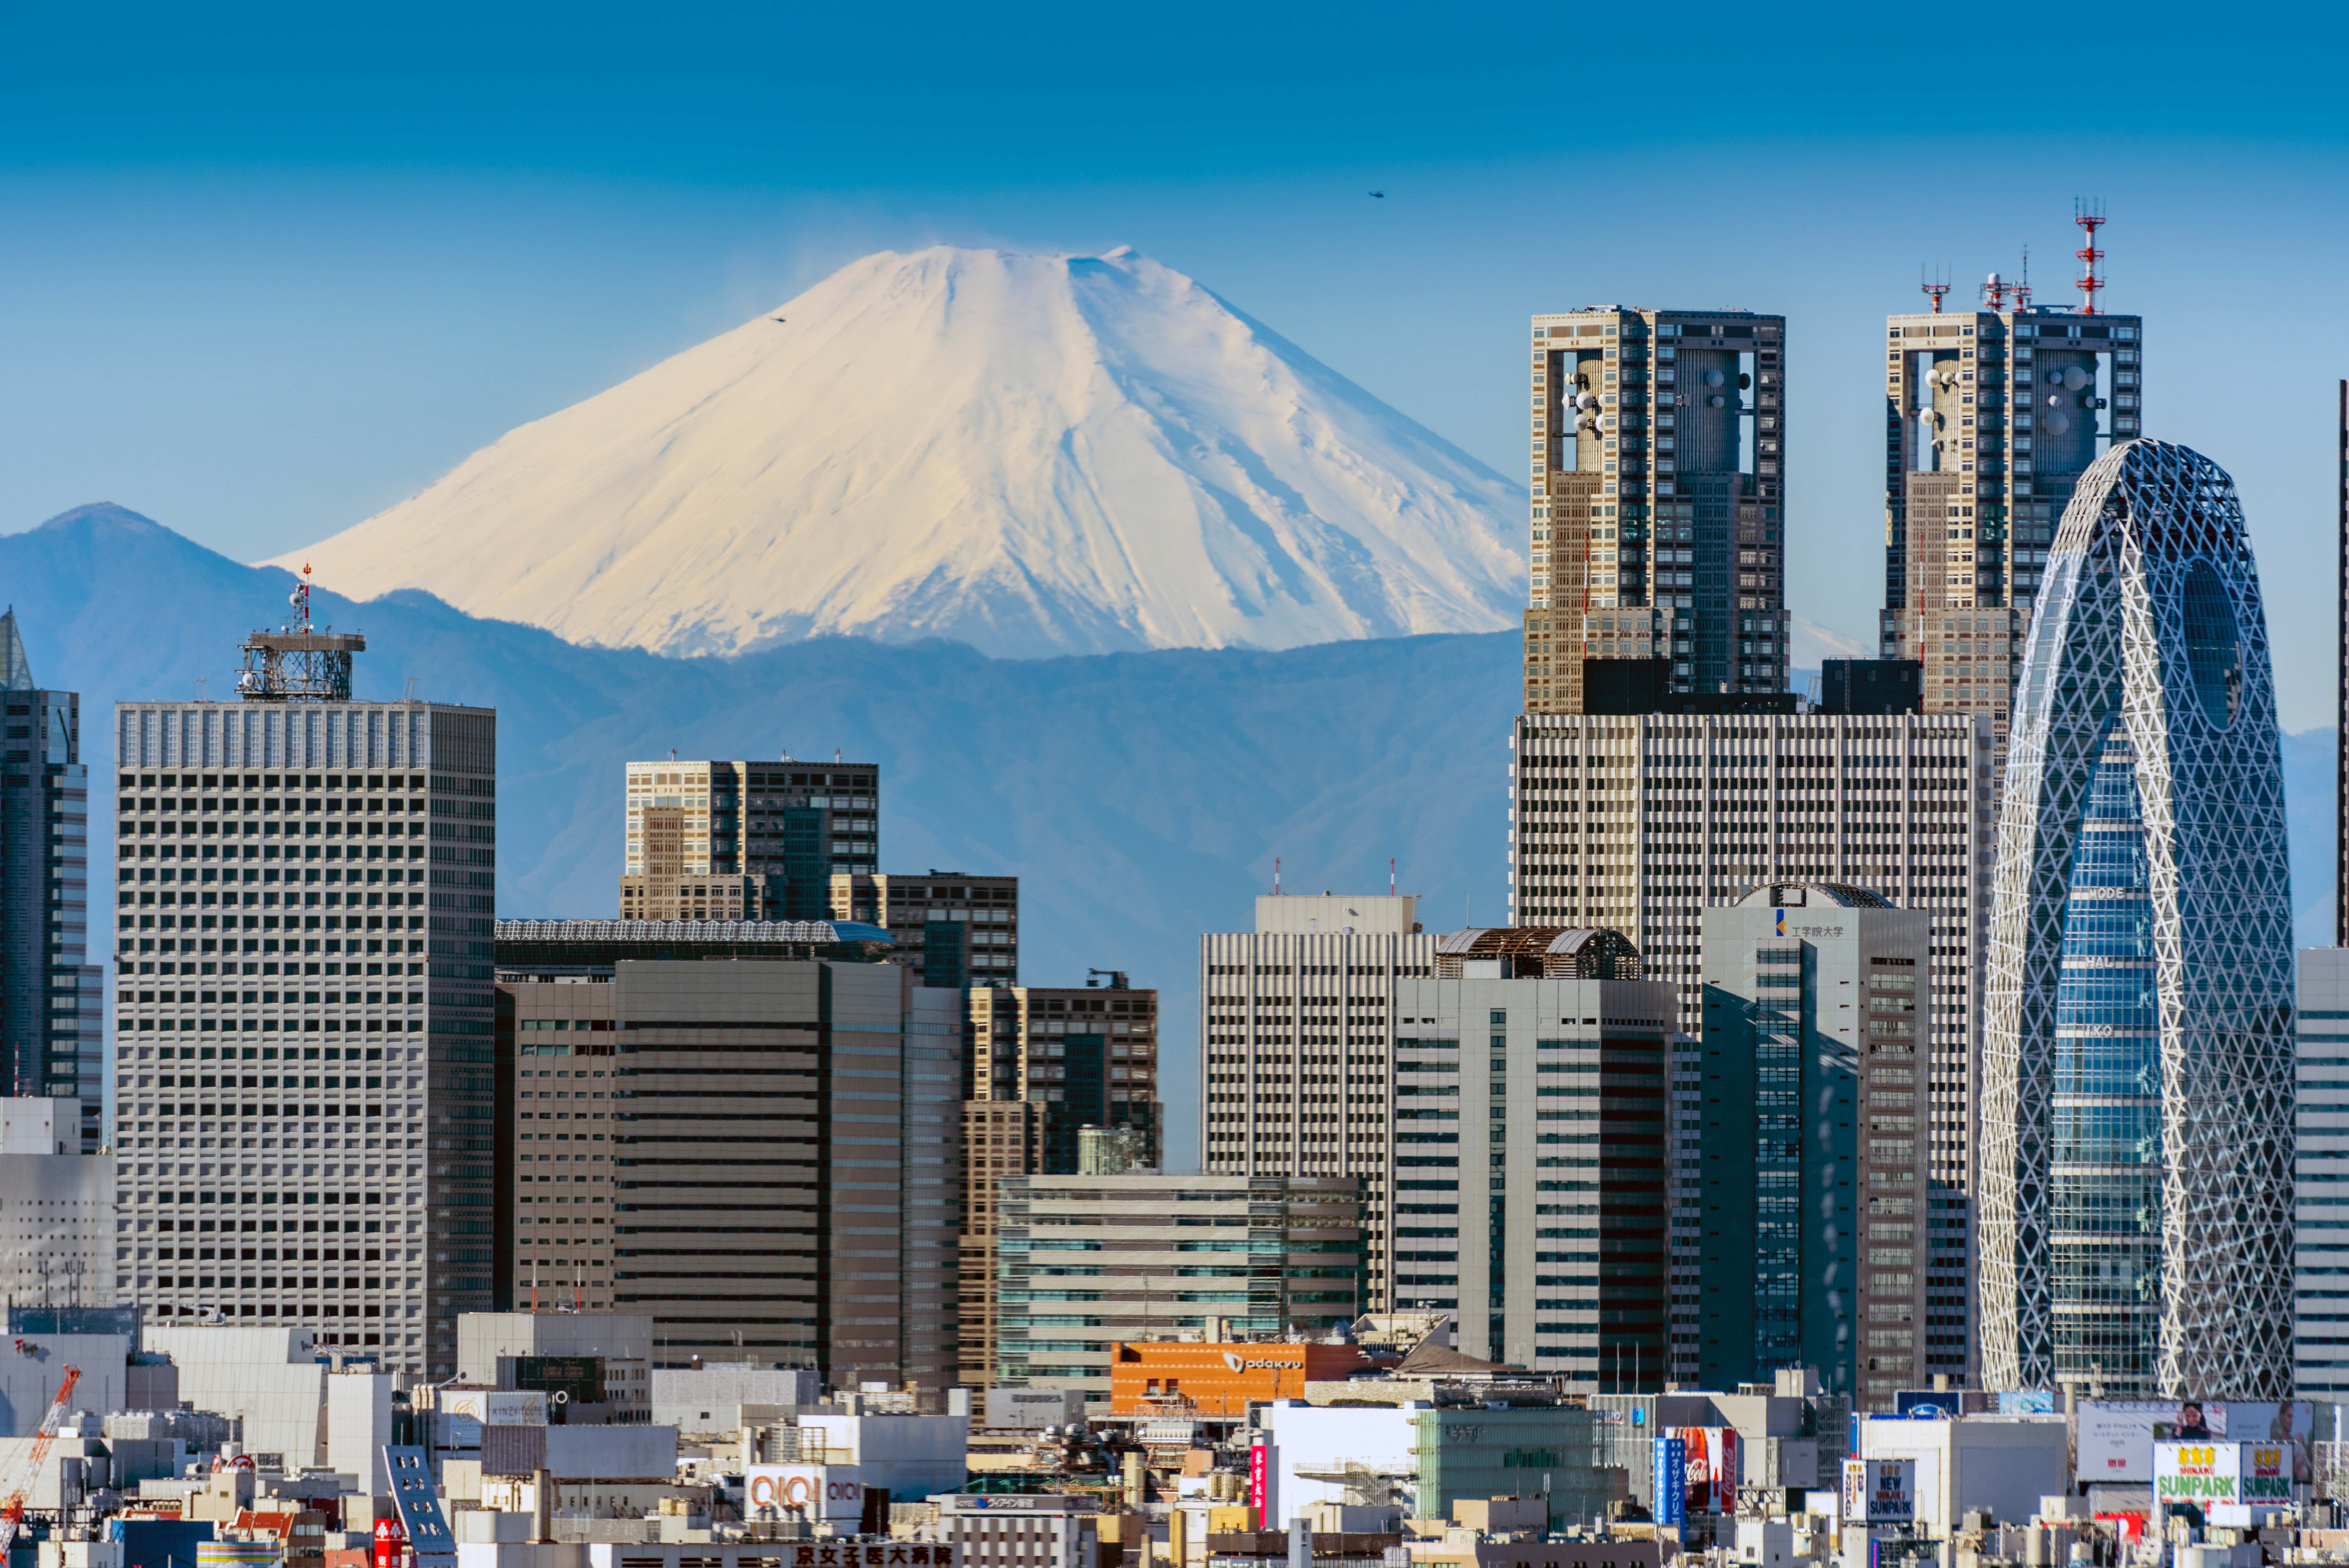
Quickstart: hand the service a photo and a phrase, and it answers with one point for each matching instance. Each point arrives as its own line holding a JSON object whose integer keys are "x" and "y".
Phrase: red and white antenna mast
{"x": 2023, "y": 288}
{"x": 2090, "y": 216}
{"x": 302, "y": 598}
{"x": 1934, "y": 289}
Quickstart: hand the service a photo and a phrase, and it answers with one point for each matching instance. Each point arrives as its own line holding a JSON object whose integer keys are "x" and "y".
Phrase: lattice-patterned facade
{"x": 2136, "y": 1120}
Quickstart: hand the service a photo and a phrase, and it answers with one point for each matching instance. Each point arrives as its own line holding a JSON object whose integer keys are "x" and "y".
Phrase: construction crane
{"x": 29, "y": 1472}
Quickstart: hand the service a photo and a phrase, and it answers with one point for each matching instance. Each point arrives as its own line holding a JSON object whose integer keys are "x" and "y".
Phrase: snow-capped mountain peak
{"x": 1030, "y": 453}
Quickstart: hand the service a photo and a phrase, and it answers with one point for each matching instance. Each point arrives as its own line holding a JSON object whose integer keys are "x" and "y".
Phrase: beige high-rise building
{"x": 1990, "y": 415}
{"x": 1658, "y": 513}
{"x": 756, "y": 840}
{"x": 1000, "y": 1139}
{"x": 1297, "y": 1027}
{"x": 1041, "y": 1064}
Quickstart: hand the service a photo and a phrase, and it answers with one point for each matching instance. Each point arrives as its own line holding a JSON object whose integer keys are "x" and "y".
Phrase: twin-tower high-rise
{"x": 1991, "y": 417}
{"x": 1658, "y": 521}
{"x": 1658, "y": 511}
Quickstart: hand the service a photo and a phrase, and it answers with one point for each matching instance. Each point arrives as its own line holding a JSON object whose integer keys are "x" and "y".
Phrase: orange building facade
{"x": 1164, "y": 1377}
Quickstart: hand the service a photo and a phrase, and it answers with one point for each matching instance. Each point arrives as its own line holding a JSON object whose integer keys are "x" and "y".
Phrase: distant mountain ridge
{"x": 1032, "y": 454}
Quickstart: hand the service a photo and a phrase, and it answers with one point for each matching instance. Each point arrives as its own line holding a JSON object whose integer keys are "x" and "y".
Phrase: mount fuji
{"x": 1029, "y": 454}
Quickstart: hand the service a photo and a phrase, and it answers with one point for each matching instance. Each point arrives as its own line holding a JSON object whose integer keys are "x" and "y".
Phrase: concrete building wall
{"x": 710, "y": 1398}
{"x": 359, "y": 1425}
{"x": 33, "y": 1363}
{"x": 2321, "y": 1177}
{"x": 1328, "y": 1442}
{"x": 2004, "y": 1464}
{"x": 266, "y": 1376}
{"x": 912, "y": 1456}
{"x": 57, "y": 1209}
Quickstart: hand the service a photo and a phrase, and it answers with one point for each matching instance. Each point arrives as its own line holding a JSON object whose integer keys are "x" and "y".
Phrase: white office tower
{"x": 2321, "y": 1325}
{"x": 1639, "y": 823}
{"x": 1297, "y": 1028}
{"x": 2137, "y": 1107}
{"x": 1531, "y": 1153}
{"x": 56, "y": 1207}
{"x": 304, "y": 1008}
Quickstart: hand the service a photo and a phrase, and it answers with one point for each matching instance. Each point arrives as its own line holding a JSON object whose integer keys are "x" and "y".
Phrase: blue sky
{"x": 262, "y": 274}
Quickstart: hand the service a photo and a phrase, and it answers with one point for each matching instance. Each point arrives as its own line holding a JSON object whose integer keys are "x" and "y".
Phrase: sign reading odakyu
{"x": 2206, "y": 1473}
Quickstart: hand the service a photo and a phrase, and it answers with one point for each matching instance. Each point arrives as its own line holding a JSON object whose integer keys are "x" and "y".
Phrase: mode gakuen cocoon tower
{"x": 2136, "y": 1123}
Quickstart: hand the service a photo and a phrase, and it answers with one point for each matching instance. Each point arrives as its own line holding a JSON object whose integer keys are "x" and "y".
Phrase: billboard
{"x": 813, "y": 1492}
{"x": 1259, "y": 1478}
{"x": 2116, "y": 1437}
{"x": 1671, "y": 1500}
{"x": 1713, "y": 1468}
{"x": 1879, "y": 1492}
{"x": 2219, "y": 1474}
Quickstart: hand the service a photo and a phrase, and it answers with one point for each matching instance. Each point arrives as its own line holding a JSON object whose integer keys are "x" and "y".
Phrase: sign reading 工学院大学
{"x": 2207, "y": 1473}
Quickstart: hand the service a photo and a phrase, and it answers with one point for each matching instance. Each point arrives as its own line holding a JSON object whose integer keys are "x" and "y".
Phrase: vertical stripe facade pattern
{"x": 2149, "y": 653}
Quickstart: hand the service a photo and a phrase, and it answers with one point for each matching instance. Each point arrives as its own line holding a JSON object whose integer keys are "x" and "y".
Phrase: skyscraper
{"x": 302, "y": 864}
{"x": 2341, "y": 693}
{"x": 956, "y": 929}
{"x": 1817, "y": 1207}
{"x": 52, "y": 1010}
{"x": 2321, "y": 1259}
{"x": 788, "y": 1066}
{"x": 1639, "y": 823}
{"x": 1039, "y": 1065}
{"x": 753, "y": 840}
{"x": 1296, "y": 1033}
{"x": 1659, "y": 523}
{"x": 2137, "y": 1131}
{"x": 1990, "y": 415}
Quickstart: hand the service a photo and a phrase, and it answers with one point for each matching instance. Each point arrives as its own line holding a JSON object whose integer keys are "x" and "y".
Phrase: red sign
{"x": 389, "y": 1542}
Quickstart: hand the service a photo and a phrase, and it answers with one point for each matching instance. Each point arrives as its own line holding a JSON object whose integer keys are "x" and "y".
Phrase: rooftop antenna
{"x": 1994, "y": 291}
{"x": 1391, "y": 877}
{"x": 2090, "y": 215}
{"x": 1934, "y": 288}
{"x": 2023, "y": 289}
{"x": 302, "y": 601}
{"x": 1276, "y": 876}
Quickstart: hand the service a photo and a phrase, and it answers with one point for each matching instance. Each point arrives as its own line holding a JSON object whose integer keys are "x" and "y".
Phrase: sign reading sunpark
{"x": 2206, "y": 1473}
